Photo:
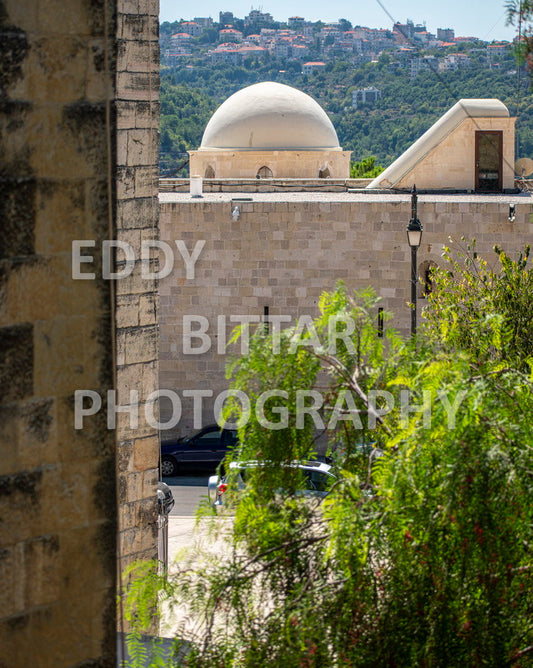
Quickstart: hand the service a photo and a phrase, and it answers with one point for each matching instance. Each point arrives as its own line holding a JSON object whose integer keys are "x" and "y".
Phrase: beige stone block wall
{"x": 57, "y": 484}
{"x": 451, "y": 164}
{"x": 136, "y": 296}
{"x": 73, "y": 169}
{"x": 284, "y": 251}
{"x": 283, "y": 164}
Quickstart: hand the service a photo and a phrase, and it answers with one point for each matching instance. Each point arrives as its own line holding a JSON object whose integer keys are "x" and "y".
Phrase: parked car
{"x": 202, "y": 451}
{"x": 318, "y": 479}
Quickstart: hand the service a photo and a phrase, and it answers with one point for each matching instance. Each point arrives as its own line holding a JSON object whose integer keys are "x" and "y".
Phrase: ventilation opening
{"x": 323, "y": 173}
{"x": 209, "y": 173}
{"x": 264, "y": 173}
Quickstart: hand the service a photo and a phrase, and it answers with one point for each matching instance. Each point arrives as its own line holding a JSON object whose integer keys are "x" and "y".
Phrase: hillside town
{"x": 313, "y": 44}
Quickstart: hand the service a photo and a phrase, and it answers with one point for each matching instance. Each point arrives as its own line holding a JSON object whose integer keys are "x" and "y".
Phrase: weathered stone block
{"x": 64, "y": 356}
{"x": 146, "y": 453}
{"x": 82, "y": 18}
{"x": 138, "y": 86}
{"x": 48, "y": 79}
{"x": 17, "y": 211}
{"x": 16, "y": 362}
{"x": 147, "y": 309}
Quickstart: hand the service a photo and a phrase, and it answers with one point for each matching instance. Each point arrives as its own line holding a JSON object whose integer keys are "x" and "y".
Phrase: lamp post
{"x": 414, "y": 237}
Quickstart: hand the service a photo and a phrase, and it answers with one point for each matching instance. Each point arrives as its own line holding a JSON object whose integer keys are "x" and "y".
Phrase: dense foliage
{"x": 365, "y": 168}
{"x": 420, "y": 556}
{"x": 184, "y": 114}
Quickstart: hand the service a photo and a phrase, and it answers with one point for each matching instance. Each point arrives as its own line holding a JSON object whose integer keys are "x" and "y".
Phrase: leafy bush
{"x": 365, "y": 169}
{"x": 422, "y": 558}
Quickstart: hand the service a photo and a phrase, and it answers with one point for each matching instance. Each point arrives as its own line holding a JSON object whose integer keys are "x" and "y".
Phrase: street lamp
{"x": 414, "y": 237}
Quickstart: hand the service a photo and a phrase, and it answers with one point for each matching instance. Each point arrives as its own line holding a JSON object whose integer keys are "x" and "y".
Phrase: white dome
{"x": 270, "y": 116}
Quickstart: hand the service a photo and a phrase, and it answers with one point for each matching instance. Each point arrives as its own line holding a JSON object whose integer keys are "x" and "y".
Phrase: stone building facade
{"x": 284, "y": 249}
{"x": 270, "y": 130}
{"x": 470, "y": 148}
{"x": 271, "y": 249}
{"x": 79, "y": 115}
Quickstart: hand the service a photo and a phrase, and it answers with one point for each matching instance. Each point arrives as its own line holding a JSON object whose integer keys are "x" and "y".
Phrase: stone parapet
{"x": 264, "y": 185}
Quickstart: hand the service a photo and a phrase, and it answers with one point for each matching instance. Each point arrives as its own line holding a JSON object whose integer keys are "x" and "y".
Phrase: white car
{"x": 318, "y": 479}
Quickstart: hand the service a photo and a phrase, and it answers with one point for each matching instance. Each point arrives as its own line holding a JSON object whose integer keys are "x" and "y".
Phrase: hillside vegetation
{"x": 407, "y": 108}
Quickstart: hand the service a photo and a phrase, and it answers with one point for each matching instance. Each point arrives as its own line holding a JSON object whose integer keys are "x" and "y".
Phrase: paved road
{"x": 187, "y": 537}
{"x": 188, "y": 492}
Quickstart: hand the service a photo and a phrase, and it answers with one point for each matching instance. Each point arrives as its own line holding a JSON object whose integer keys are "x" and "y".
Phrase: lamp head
{"x": 414, "y": 229}
{"x": 414, "y": 233}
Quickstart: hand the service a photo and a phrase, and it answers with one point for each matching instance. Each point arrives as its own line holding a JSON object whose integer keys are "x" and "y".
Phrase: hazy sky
{"x": 479, "y": 18}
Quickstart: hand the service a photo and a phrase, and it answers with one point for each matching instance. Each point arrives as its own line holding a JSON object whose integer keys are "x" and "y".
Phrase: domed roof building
{"x": 270, "y": 130}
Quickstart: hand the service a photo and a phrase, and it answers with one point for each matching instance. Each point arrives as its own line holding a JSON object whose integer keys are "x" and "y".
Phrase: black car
{"x": 204, "y": 450}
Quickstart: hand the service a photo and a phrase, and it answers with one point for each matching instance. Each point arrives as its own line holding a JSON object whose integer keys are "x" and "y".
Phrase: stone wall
{"x": 282, "y": 164}
{"x": 75, "y": 101}
{"x": 57, "y": 527}
{"x": 235, "y": 185}
{"x": 451, "y": 164}
{"x": 136, "y": 296}
{"x": 285, "y": 249}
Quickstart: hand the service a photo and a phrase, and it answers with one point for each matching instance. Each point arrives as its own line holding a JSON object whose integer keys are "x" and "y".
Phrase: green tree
{"x": 345, "y": 25}
{"x": 485, "y": 310}
{"x": 422, "y": 558}
{"x": 520, "y": 14}
{"x": 365, "y": 169}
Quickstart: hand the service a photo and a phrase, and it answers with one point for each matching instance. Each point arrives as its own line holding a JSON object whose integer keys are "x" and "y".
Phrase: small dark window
{"x": 324, "y": 173}
{"x": 264, "y": 172}
{"x": 209, "y": 172}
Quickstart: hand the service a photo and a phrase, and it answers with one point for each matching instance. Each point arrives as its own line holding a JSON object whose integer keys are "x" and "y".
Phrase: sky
{"x": 473, "y": 18}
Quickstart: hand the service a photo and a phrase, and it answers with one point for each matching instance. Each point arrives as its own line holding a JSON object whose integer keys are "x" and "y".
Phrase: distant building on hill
{"x": 257, "y": 16}
{"x": 454, "y": 61}
{"x": 225, "y": 17}
{"x": 403, "y": 32}
{"x": 204, "y": 22}
{"x": 313, "y": 66}
{"x": 365, "y": 96}
{"x": 230, "y": 35}
{"x": 445, "y": 34}
{"x": 192, "y": 28}
{"x": 180, "y": 40}
{"x": 424, "y": 63}
{"x": 296, "y": 22}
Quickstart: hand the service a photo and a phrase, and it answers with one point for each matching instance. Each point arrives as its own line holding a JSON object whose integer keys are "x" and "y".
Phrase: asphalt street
{"x": 190, "y": 540}
{"x": 188, "y": 491}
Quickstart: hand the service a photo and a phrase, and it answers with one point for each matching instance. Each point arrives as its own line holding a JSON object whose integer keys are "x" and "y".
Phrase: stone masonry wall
{"x": 136, "y": 301}
{"x": 79, "y": 117}
{"x": 57, "y": 484}
{"x": 284, "y": 250}
{"x": 282, "y": 164}
{"x": 451, "y": 164}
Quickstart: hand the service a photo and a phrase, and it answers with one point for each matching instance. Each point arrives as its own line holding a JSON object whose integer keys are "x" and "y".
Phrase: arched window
{"x": 323, "y": 173}
{"x": 209, "y": 172}
{"x": 264, "y": 173}
{"x": 425, "y": 272}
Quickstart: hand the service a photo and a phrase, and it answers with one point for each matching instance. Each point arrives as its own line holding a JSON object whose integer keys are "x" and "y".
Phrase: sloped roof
{"x": 467, "y": 108}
